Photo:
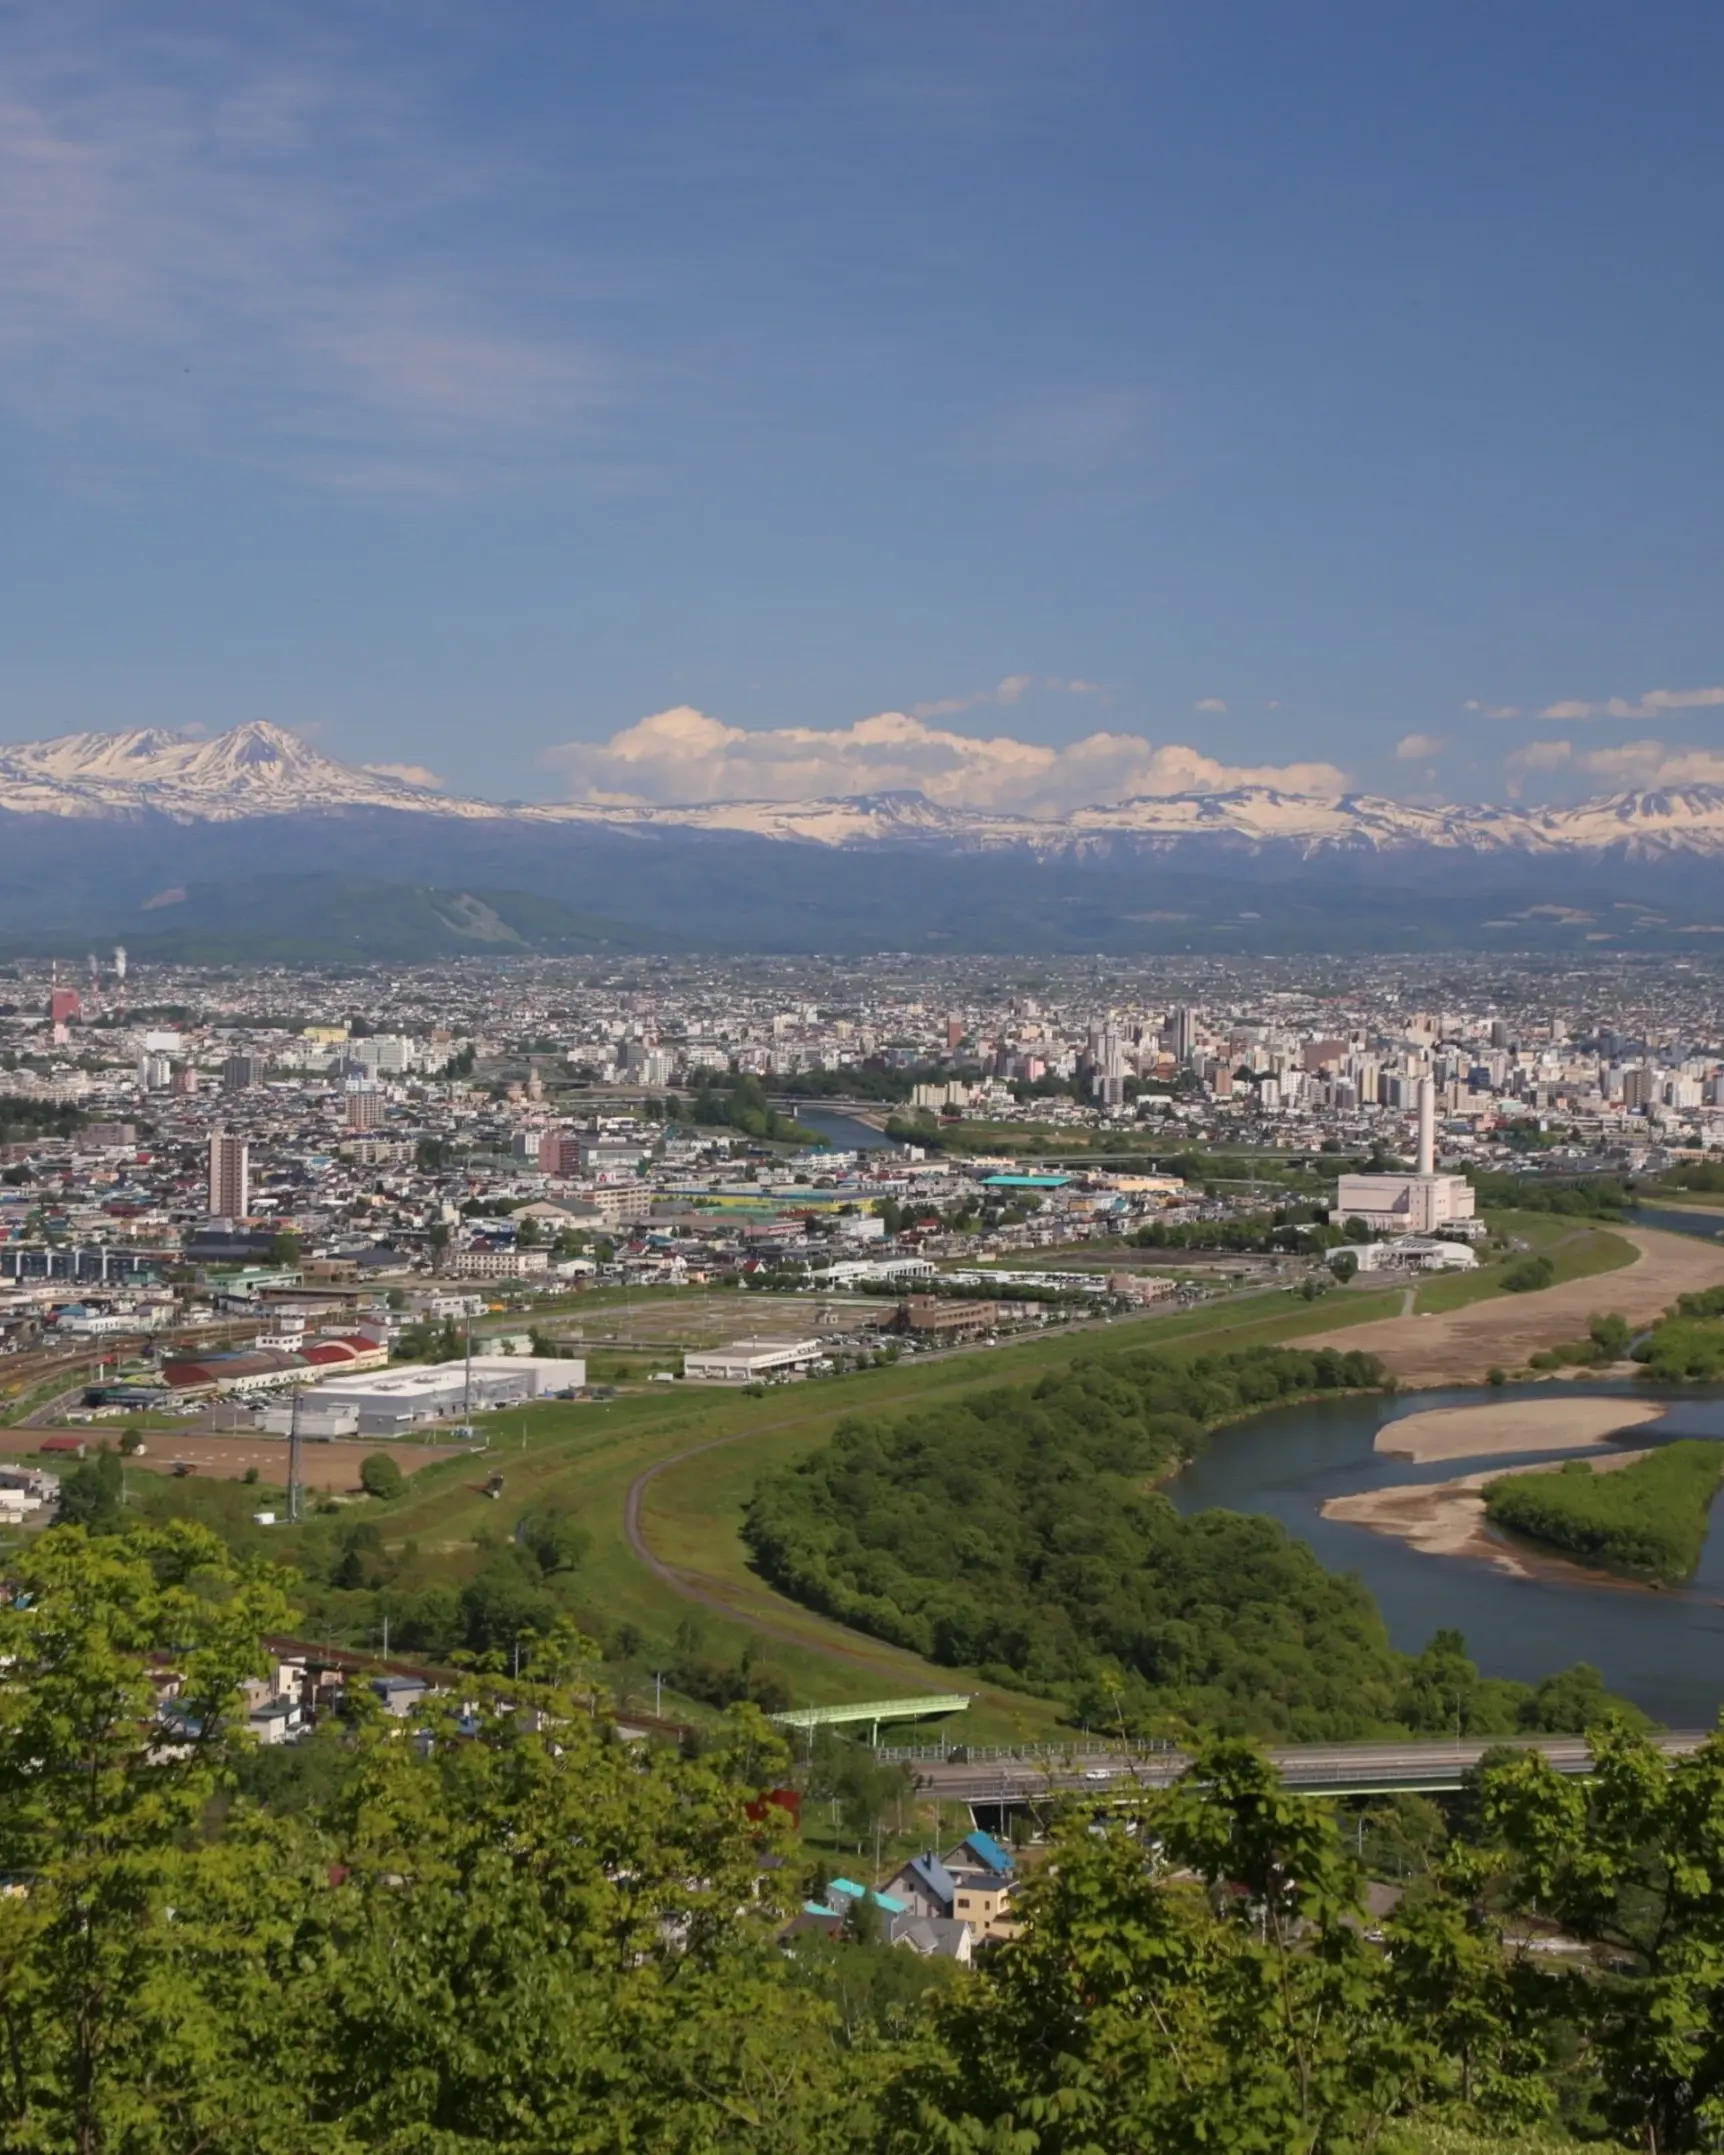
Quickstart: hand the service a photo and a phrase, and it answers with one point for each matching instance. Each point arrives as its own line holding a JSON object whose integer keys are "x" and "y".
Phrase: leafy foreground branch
{"x": 511, "y": 1931}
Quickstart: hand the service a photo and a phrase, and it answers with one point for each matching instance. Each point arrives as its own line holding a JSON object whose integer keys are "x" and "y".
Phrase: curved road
{"x": 689, "y": 1589}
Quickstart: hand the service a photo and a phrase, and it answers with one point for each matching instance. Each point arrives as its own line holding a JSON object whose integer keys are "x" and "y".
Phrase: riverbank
{"x": 1459, "y": 1346}
{"x": 1567, "y": 1424}
{"x": 1448, "y": 1519}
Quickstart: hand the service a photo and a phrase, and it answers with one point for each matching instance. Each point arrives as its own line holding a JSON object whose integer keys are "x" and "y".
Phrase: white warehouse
{"x": 746, "y": 1361}
{"x": 394, "y": 1401}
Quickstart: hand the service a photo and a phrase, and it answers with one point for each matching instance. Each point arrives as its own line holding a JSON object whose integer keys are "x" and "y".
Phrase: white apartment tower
{"x": 230, "y": 1176}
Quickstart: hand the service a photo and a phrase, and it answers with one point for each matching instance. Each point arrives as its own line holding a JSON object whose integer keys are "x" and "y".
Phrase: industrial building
{"x": 748, "y": 1361}
{"x": 394, "y": 1401}
{"x": 1423, "y": 1203}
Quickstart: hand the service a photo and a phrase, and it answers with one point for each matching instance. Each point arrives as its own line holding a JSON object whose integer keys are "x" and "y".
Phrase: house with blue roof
{"x": 981, "y": 1851}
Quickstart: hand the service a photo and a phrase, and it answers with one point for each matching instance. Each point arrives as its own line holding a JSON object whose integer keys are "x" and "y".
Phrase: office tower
{"x": 1184, "y": 1034}
{"x": 64, "y": 1005}
{"x": 241, "y": 1072}
{"x": 230, "y": 1176}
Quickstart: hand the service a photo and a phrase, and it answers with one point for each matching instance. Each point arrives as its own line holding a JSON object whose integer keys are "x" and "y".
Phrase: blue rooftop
{"x": 988, "y": 1851}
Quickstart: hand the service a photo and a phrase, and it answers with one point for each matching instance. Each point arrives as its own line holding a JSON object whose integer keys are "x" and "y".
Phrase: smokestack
{"x": 1427, "y": 1126}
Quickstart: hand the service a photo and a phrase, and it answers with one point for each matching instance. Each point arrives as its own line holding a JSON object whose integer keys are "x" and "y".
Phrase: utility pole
{"x": 467, "y": 1387}
{"x": 293, "y": 1463}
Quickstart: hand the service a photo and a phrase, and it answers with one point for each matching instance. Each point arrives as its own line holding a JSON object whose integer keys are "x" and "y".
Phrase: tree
{"x": 132, "y": 1969}
{"x": 527, "y": 1234}
{"x": 91, "y": 1495}
{"x": 501, "y": 1607}
{"x": 381, "y": 1476}
{"x": 549, "y": 1532}
{"x": 1629, "y": 1862}
{"x": 1344, "y": 1264}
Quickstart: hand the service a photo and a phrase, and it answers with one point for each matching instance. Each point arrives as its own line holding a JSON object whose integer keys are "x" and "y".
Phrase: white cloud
{"x": 1652, "y": 705}
{"x": 1210, "y": 703}
{"x": 685, "y": 756}
{"x": 1013, "y": 689}
{"x": 1492, "y": 710}
{"x": 1536, "y": 756}
{"x": 1655, "y": 763}
{"x": 1419, "y": 747}
{"x": 411, "y": 774}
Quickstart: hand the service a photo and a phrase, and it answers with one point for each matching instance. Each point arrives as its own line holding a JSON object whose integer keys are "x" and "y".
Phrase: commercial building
{"x": 748, "y": 1361}
{"x": 393, "y": 1401}
{"x": 230, "y": 1176}
{"x": 497, "y": 1264}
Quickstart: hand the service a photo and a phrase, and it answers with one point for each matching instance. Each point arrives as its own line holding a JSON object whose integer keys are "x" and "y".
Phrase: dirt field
{"x": 1459, "y": 1346}
{"x": 325, "y": 1466}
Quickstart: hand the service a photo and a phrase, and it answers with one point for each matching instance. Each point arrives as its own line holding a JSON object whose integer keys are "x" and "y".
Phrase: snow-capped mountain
{"x": 259, "y": 770}
{"x": 256, "y": 770}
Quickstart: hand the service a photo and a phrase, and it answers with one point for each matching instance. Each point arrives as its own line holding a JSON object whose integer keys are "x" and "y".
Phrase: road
{"x": 1361, "y": 1769}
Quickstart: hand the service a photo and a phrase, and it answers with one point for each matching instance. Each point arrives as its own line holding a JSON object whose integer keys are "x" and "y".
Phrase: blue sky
{"x": 1189, "y": 391}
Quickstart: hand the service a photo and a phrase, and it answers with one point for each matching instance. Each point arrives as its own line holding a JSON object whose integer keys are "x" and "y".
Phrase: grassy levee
{"x": 1576, "y": 1251}
{"x": 1647, "y": 1519}
{"x": 589, "y": 1456}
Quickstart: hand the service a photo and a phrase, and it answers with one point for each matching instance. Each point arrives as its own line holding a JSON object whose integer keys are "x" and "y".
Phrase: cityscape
{"x": 861, "y": 1079}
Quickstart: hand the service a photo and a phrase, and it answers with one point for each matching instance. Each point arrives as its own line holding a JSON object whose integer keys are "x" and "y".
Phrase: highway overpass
{"x": 1005, "y": 1783}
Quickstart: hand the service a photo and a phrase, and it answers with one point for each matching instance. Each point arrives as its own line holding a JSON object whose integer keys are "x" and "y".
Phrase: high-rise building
{"x": 1184, "y": 1031}
{"x": 364, "y": 1107}
{"x": 230, "y": 1176}
{"x": 241, "y": 1072}
{"x": 64, "y": 1005}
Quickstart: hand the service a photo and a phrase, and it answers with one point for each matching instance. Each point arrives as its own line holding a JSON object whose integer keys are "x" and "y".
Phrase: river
{"x": 842, "y": 1132}
{"x": 1663, "y": 1650}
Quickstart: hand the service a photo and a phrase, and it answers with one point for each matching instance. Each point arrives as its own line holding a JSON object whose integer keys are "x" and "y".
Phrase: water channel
{"x": 1664, "y": 1650}
{"x": 842, "y": 1132}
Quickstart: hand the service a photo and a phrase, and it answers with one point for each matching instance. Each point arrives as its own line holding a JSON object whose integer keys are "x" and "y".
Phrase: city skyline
{"x": 668, "y": 404}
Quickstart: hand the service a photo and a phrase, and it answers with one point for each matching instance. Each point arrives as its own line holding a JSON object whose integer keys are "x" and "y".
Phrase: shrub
{"x": 379, "y": 1476}
{"x": 1529, "y": 1275}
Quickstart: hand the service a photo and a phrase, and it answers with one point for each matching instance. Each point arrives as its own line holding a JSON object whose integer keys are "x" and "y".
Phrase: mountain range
{"x": 262, "y": 770}
{"x": 254, "y": 842}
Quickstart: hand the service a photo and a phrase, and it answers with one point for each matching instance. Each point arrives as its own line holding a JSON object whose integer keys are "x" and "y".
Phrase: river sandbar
{"x": 1567, "y": 1424}
{"x": 1448, "y": 1518}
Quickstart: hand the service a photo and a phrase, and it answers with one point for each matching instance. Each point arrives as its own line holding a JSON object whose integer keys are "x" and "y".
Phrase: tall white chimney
{"x": 1427, "y": 1126}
